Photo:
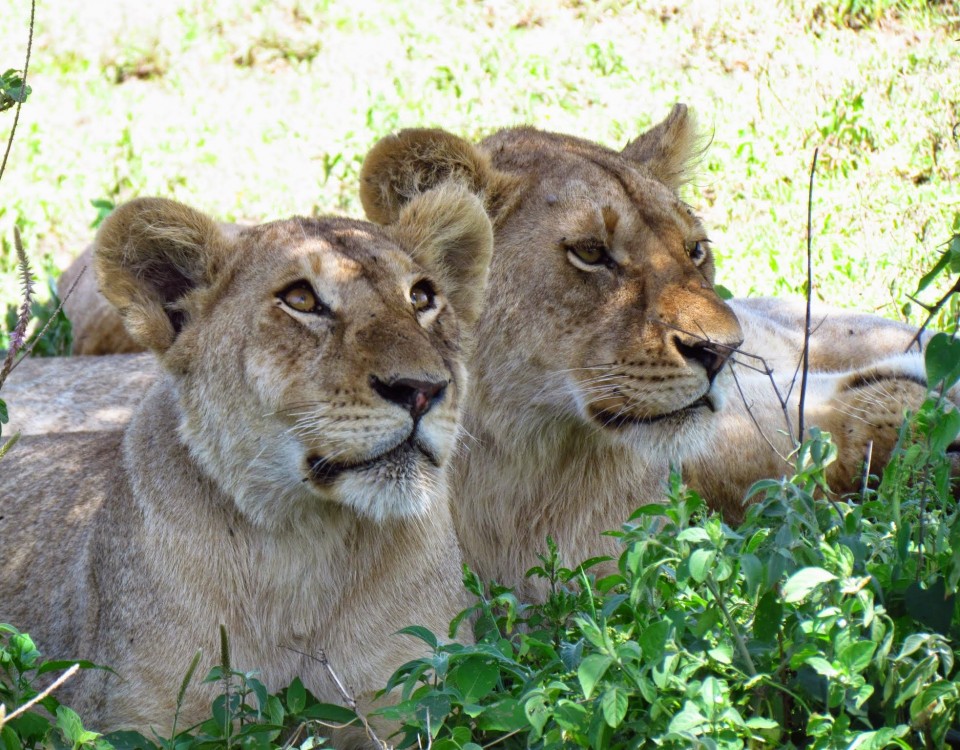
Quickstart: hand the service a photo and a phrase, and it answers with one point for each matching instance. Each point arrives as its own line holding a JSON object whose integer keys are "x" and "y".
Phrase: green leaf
{"x": 803, "y": 582}
{"x": 931, "y": 607}
{"x": 591, "y": 671}
{"x": 694, "y": 534}
{"x": 329, "y": 712}
{"x": 856, "y": 656}
{"x": 614, "y": 704}
{"x": 474, "y": 678}
{"x": 767, "y": 617}
{"x": 700, "y": 563}
{"x": 822, "y": 666}
{"x": 537, "y": 713}
{"x": 933, "y": 272}
{"x": 505, "y": 715}
{"x": 688, "y": 719}
{"x": 722, "y": 291}
{"x": 4, "y": 416}
{"x": 296, "y": 696}
{"x": 752, "y": 572}
{"x": 653, "y": 640}
{"x": 942, "y": 360}
{"x": 70, "y": 724}
{"x": 424, "y": 634}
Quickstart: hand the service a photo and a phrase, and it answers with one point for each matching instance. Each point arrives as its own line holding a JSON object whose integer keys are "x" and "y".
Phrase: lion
{"x": 605, "y": 357}
{"x": 285, "y": 473}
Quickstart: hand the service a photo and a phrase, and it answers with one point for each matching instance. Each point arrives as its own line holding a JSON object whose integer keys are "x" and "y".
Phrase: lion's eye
{"x": 301, "y": 297}
{"x": 590, "y": 253}
{"x": 697, "y": 251}
{"x": 422, "y": 296}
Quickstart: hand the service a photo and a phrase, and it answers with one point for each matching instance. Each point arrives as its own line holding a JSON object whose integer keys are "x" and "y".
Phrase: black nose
{"x": 416, "y": 396}
{"x": 712, "y": 356}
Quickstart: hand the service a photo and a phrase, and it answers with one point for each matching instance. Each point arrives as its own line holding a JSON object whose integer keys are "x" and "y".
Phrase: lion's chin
{"x": 403, "y": 482}
{"x": 624, "y": 420}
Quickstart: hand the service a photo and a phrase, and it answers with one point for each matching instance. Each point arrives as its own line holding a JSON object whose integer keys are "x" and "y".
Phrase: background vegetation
{"x": 257, "y": 109}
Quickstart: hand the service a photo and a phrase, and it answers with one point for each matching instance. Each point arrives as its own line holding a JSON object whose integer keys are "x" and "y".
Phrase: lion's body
{"x": 283, "y": 474}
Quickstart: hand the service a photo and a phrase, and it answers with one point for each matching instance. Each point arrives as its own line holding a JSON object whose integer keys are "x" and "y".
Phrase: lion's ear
{"x": 668, "y": 148}
{"x": 150, "y": 254}
{"x": 447, "y": 231}
{"x": 402, "y": 166}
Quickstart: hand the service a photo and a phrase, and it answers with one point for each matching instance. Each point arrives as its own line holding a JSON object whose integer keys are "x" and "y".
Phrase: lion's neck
{"x": 521, "y": 476}
{"x": 326, "y": 553}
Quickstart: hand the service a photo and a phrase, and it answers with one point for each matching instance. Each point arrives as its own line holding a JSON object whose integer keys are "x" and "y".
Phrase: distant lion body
{"x": 283, "y": 476}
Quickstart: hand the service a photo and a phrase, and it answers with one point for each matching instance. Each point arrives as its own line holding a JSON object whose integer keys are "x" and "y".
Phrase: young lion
{"x": 602, "y": 348}
{"x": 285, "y": 474}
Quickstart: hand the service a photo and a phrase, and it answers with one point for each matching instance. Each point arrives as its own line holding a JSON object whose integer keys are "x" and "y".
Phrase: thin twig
{"x": 321, "y": 658}
{"x": 932, "y": 312}
{"x": 806, "y": 328}
{"x": 23, "y": 90}
{"x": 37, "y": 698}
{"x": 867, "y": 460}
{"x": 731, "y": 623}
{"x": 753, "y": 418}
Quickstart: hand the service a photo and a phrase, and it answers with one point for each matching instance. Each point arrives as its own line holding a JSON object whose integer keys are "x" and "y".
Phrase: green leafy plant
{"x": 12, "y": 89}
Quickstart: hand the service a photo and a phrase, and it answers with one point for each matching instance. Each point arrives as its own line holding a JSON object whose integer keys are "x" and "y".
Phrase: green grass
{"x": 256, "y": 110}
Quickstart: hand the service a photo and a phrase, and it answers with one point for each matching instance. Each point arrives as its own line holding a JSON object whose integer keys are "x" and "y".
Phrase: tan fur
{"x": 276, "y": 478}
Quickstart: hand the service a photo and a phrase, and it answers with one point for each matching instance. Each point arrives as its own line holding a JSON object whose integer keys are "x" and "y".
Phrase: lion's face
{"x": 605, "y": 279}
{"x": 600, "y": 311}
{"x": 323, "y": 363}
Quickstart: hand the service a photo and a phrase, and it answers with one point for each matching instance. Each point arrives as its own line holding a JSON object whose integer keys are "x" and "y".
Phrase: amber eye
{"x": 697, "y": 251}
{"x": 590, "y": 252}
{"x": 301, "y": 297}
{"x": 422, "y": 295}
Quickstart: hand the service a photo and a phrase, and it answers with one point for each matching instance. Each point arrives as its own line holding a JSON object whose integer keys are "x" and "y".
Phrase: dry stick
{"x": 865, "y": 477}
{"x": 931, "y": 312}
{"x": 37, "y": 698}
{"x": 23, "y": 90}
{"x": 743, "y": 397}
{"x": 806, "y": 328}
{"x": 344, "y": 693}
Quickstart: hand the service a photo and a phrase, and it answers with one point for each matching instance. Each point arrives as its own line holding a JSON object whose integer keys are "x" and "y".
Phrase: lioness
{"x": 284, "y": 476}
{"x": 602, "y": 345}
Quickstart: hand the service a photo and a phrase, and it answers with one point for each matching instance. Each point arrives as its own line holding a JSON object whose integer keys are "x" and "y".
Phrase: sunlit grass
{"x": 255, "y": 109}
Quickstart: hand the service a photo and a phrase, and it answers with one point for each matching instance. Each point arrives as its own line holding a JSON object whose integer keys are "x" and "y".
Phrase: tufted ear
{"x": 447, "y": 231}
{"x": 402, "y": 166}
{"x": 150, "y": 255}
{"x": 668, "y": 147}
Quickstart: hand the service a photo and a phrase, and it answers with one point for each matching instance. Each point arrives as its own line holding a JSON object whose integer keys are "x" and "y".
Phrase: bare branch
{"x": 932, "y": 312}
{"x": 37, "y": 698}
{"x": 753, "y": 418}
{"x": 348, "y": 699}
{"x": 806, "y": 328}
{"x": 23, "y": 90}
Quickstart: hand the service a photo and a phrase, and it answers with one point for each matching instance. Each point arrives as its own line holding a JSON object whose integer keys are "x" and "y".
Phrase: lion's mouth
{"x": 325, "y": 471}
{"x": 617, "y": 420}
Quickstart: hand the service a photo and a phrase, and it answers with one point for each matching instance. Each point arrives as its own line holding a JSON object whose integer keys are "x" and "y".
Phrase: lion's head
{"x": 601, "y": 308}
{"x": 602, "y": 341}
{"x": 314, "y": 360}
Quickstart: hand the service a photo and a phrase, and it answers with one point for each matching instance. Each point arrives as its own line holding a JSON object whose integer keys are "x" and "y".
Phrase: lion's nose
{"x": 416, "y": 396}
{"x": 711, "y": 355}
